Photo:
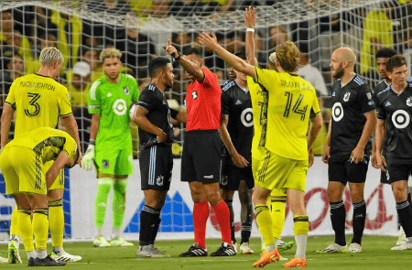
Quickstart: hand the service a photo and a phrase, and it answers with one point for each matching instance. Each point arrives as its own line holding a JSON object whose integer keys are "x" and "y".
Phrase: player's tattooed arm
{"x": 379, "y": 140}
{"x": 326, "y": 152}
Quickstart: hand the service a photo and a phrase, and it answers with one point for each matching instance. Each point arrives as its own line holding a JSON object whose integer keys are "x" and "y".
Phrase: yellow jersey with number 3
{"x": 38, "y": 101}
{"x": 291, "y": 102}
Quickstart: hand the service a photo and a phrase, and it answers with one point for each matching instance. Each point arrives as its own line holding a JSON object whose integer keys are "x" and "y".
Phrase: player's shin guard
{"x": 359, "y": 217}
{"x": 301, "y": 230}
{"x": 119, "y": 205}
{"x": 14, "y": 226}
{"x": 278, "y": 205}
{"x": 232, "y": 221}
{"x": 338, "y": 218}
{"x": 405, "y": 216}
{"x": 26, "y": 229}
{"x": 40, "y": 228}
{"x": 56, "y": 223}
{"x": 223, "y": 218}
{"x": 149, "y": 217}
{"x": 265, "y": 224}
{"x": 100, "y": 202}
{"x": 200, "y": 215}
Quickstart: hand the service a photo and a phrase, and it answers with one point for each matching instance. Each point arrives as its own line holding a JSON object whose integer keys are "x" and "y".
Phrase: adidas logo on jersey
{"x": 388, "y": 104}
{"x": 238, "y": 102}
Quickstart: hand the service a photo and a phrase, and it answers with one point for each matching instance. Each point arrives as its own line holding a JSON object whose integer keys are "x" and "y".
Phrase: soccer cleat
{"x": 13, "y": 252}
{"x": 100, "y": 242}
{"x": 225, "y": 249}
{"x": 333, "y": 248}
{"x": 155, "y": 253}
{"x": 354, "y": 248}
{"x": 296, "y": 263}
{"x": 48, "y": 261}
{"x": 267, "y": 257}
{"x": 194, "y": 251}
{"x": 65, "y": 257}
{"x": 234, "y": 246}
{"x": 245, "y": 248}
{"x": 285, "y": 245}
{"x": 144, "y": 251}
{"x": 120, "y": 242}
{"x": 406, "y": 246}
{"x": 401, "y": 237}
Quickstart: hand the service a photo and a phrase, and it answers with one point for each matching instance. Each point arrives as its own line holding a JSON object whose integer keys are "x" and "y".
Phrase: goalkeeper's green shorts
{"x": 118, "y": 162}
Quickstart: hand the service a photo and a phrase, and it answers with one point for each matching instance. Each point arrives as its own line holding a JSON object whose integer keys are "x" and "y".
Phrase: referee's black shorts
{"x": 156, "y": 164}
{"x": 202, "y": 153}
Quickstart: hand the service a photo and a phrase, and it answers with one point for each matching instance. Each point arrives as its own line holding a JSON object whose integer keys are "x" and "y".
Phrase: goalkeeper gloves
{"x": 88, "y": 157}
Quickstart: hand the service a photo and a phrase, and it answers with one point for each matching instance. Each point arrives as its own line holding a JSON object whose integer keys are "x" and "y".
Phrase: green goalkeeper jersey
{"x": 113, "y": 101}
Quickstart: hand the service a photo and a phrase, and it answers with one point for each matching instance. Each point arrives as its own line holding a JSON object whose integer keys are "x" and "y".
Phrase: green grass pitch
{"x": 376, "y": 255}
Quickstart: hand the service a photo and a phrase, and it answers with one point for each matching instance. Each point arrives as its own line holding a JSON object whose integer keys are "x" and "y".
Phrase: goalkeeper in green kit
{"x": 110, "y": 98}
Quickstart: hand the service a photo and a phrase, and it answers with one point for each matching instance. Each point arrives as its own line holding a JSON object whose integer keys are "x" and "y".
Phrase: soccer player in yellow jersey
{"x": 38, "y": 101}
{"x": 291, "y": 103}
{"x": 259, "y": 95}
{"x": 22, "y": 164}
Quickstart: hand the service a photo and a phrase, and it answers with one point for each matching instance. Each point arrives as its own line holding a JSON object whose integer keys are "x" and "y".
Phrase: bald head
{"x": 346, "y": 54}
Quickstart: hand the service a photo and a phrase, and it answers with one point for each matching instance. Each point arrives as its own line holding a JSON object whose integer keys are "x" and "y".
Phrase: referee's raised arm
{"x": 191, "y": 67}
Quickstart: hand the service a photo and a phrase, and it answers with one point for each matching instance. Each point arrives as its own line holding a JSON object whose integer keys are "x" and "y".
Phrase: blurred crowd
{"x": 25, "y": 31}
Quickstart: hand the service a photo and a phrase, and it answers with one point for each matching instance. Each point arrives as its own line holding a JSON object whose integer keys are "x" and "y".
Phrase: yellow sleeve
{"x": 11, "y": 97}
{"x": 265, "y": 77}
{"x": 70, "y": 146}
{"x": 64, "y": 101}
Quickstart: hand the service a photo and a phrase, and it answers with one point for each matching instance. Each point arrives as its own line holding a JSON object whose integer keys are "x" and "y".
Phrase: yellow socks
{"x": 278, "y": 205}
{"x": 264, "y": 222}
{"x": 56, "y": 223}
{"x": 40, "y": 228}
{"x": 26, "y": 229}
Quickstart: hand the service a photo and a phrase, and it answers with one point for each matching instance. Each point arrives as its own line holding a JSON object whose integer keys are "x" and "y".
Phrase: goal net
{"x": 141, "y": 29}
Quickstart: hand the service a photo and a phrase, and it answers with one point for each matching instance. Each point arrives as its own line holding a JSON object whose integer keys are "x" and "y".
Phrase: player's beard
{"x": 339, "y": 72}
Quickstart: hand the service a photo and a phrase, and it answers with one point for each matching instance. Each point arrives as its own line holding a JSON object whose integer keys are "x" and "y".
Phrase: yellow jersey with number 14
{"x": 291, "y": 102}
{"x": 38, "y": 101}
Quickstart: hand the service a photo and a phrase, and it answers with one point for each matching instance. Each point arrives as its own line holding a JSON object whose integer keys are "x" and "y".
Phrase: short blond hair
{"x": 110, "y": 53}
{"x": 288, "y": 56}
{"x": 50, "y": 55}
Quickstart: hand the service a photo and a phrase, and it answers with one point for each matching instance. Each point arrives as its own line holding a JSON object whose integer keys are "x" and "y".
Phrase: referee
{"x": 202, "y": 151}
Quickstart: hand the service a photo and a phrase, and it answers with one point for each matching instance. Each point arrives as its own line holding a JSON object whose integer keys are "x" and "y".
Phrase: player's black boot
{"x": 224, "y": 250}
{"x": 194, "y": 251}
{"x": 48, "y": 261}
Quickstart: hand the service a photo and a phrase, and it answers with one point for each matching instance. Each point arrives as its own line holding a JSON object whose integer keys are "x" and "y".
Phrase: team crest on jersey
{"x": 333, "y": 94}
{"x": 346, "y": 96}
{"x": 159, "y": 180}
{"x": 126, "y": 90}
{"x": 105, "y": 163}
{"x": 409, "y": 101}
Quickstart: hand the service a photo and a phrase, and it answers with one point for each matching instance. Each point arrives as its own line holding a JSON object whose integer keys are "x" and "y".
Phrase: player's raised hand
{"x": 88, "y": 158}
{"x": 171, "y": 50}
{"x": 208, "y": 40}
{"x": 250, "y": 17}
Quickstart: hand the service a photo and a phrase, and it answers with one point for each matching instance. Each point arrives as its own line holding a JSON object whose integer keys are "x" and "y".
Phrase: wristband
{"x": 250, "y": 30}
{"x": 92, "y": 142}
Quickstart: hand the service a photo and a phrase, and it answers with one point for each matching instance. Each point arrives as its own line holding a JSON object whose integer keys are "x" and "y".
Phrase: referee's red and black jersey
{"x": 203, "y": 101}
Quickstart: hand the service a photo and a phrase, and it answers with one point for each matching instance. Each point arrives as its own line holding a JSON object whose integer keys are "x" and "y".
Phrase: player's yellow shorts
{"x": 276, "y": 172}
{"x": 23, "y": 171}
{"x": 257, "y": 155}
{"x": 59, "y": 182}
